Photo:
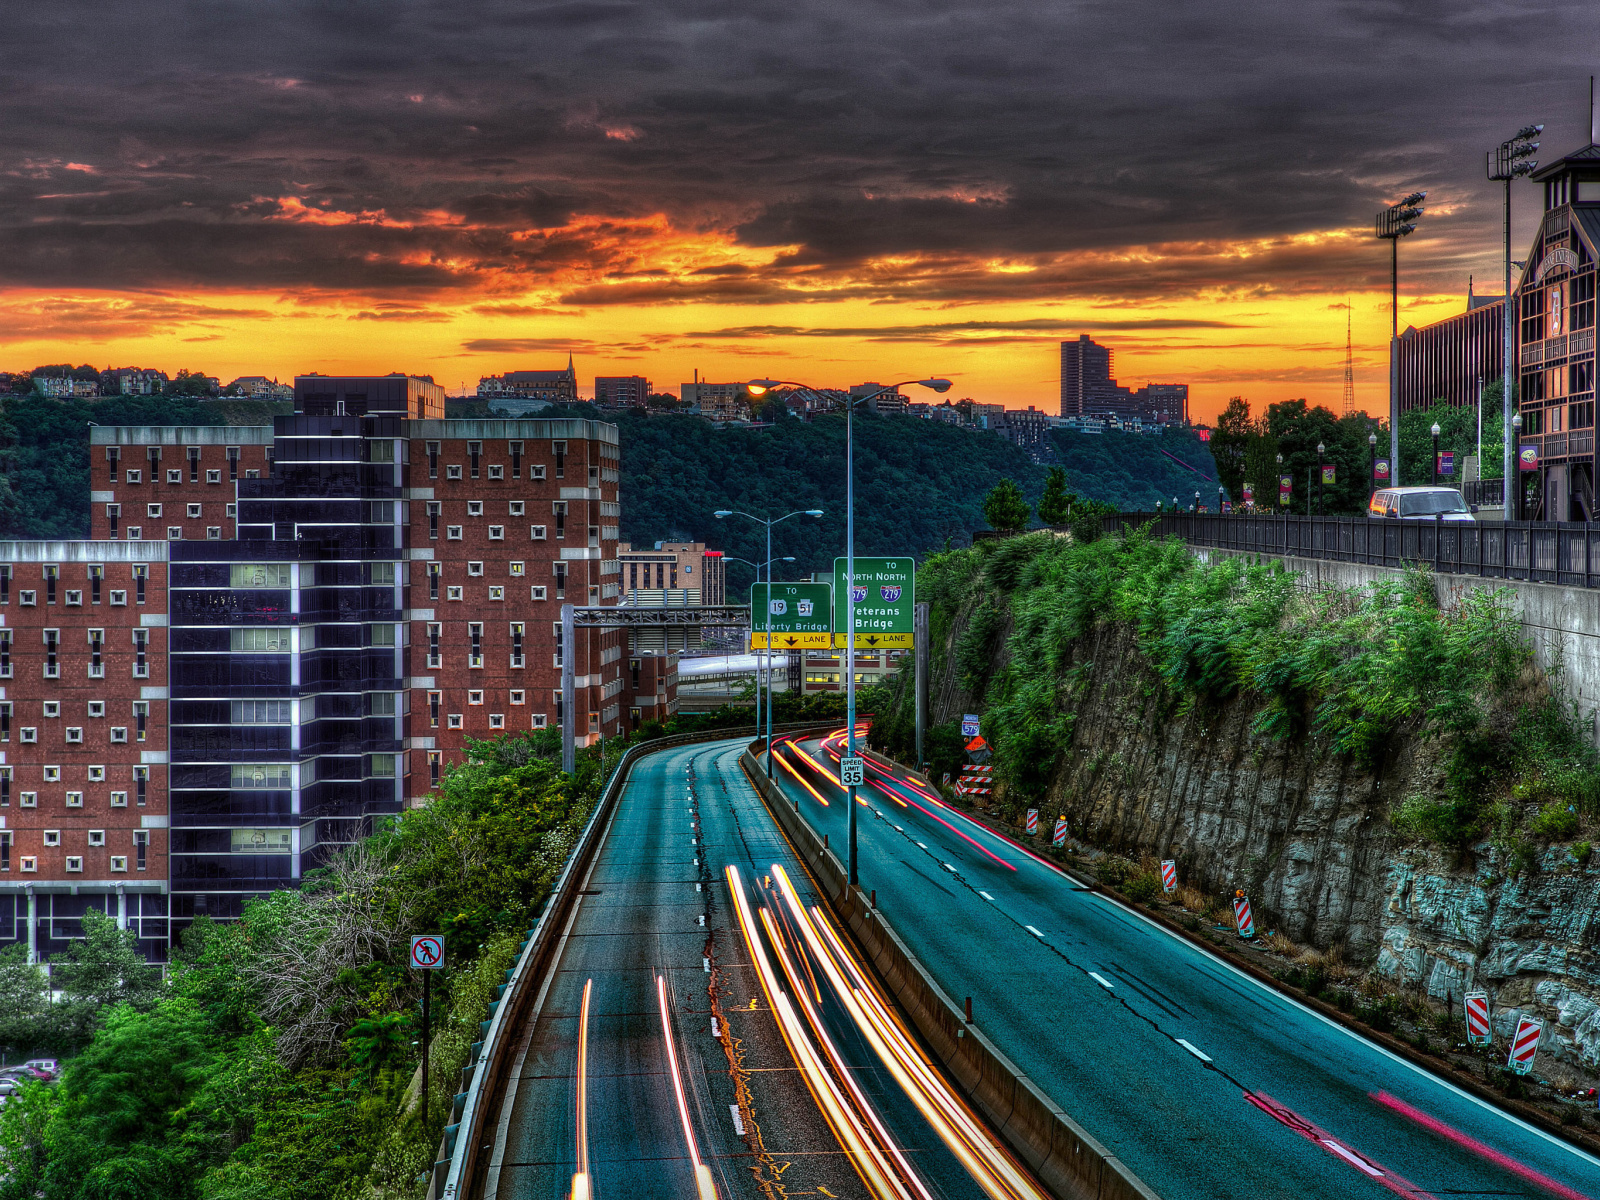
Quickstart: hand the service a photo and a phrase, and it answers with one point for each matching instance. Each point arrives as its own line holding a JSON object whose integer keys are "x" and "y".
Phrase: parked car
{"x": 23, "y": 1072}
{"x": 1420, "y": 504}
{"x": 49, "y": 1066}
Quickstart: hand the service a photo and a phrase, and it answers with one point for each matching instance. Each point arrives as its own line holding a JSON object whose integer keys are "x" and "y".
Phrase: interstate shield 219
{"x": 885, "y": 601}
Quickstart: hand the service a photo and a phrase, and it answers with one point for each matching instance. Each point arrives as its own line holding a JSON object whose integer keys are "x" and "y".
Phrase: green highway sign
{"x": 794, "y": 616}
{"x": 884, "y": 596}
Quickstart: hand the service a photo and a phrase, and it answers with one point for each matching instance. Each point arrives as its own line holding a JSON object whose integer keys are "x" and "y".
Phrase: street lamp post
{"x": 1321, "y": 450}
{"x": 1435, "y": 432}
{"x": 1507, "y": 161}
{"x": 1372, "y": 459}
{"x": 1197, "y": 503}
{"x": 720, "y": 514}
{"x": 758, "y": 387}
{"x": 1394, "y": 223}
{"x": 1514, "y": 508}
{"x": 1221, "y": 494}
{"x": 766, "y": 657}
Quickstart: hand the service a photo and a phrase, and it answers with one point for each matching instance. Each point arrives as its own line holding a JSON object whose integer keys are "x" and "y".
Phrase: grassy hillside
{"x": 1133, "y": 471}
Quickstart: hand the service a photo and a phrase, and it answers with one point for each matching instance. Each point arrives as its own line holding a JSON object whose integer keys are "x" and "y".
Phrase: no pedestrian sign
{"x": 427, "y": 952}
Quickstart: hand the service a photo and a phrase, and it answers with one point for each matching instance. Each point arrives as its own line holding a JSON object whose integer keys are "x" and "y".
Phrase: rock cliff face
{"x": 1307, "y": 833}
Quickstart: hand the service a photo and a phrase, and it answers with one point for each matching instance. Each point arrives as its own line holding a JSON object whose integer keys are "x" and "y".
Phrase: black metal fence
{"x": 1542, "y": 551}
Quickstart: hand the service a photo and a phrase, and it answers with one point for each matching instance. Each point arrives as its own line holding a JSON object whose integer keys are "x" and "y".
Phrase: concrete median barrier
{"x": 1063, "y": 1155}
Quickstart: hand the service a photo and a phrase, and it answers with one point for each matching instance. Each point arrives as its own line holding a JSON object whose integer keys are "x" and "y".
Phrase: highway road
{"x": 1205, "y": 1083}
{"x": 663, "y": 1059}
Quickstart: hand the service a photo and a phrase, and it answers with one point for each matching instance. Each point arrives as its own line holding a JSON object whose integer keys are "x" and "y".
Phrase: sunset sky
{"x": 831, "y": 192}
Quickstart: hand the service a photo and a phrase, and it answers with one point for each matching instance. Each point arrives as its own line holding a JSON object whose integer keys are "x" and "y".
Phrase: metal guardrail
{"x": 1562, "y": 552}
{"x": 455, "y": 1170}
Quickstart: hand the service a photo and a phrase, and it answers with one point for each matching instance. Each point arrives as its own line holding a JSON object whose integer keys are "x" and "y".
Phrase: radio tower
{"x": 1349, "y": 366}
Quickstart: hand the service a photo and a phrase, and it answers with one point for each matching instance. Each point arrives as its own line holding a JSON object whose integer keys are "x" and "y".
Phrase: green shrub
{"x": 1114, "y": 870}
{"x": 1581, "y": 852}
{"x": 1555, "y": 822}
{"x": 1142, "y": 888}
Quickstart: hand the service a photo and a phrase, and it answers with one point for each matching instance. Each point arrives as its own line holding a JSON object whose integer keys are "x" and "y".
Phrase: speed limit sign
{"x": 853, "y": 771}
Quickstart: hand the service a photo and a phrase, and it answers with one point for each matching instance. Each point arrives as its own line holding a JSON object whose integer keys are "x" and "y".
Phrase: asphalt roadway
{"x": 684, "y": 816}
{"x": 1207, "y": 1084}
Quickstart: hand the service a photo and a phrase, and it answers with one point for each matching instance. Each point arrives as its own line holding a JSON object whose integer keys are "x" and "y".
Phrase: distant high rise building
{"x": 621, "y": 391}
{"x": 1085, "y": 373}
{"x": 1088, "y": 389}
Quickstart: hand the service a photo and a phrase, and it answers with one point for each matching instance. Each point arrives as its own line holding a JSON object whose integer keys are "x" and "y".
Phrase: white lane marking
{"x": 897, "y": 828}
{"x": 924, "y": 845}
{"x": 986, "y": 896}
{"x": 1354, "y": 1158}
{"x": 738, "y": 1121}
{"x": 715, "y": 1032}
{"x": 1102, "y": 981}
{"x": 1033, "y": 931}
{"x": 1194, "y": 1051}
{"x": 948, "y": 867}
{"x": 707, "y": 963}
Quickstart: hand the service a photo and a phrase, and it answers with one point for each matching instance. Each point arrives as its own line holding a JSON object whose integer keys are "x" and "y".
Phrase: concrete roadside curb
{"x": 1064, "y": 1156}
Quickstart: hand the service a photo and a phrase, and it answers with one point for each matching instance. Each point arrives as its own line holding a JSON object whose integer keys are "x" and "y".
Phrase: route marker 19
{"x": 1478, "y": 1029}
{"x": 1033, "y": 822}
{"x": 853, "y": 771}
{"x": 1525, "y": 1045}
{"x": 1060, "y": 838}
{"x": 427, "y": 952}
{"x": 1243, "y": 918}
{"x": 1169, "y": 876}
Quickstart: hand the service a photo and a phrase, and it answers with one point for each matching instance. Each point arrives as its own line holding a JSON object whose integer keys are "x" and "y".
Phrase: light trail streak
{"x": 847, "y": 1126}
{"x": 798, "y": 779}
{"x": 1374, "y": 1171}
{"x": 580, "y": 1180}
{"x": 989, "y": 1165}
{"x": 1487, "y": 1153}
{"x": 704, "y": 1186}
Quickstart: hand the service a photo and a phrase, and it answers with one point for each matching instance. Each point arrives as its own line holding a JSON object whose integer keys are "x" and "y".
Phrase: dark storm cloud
{"x": 483, "y": 145}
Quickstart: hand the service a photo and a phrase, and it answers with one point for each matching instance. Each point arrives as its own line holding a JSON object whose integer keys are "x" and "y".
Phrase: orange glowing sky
{"x": 818, "y": 191}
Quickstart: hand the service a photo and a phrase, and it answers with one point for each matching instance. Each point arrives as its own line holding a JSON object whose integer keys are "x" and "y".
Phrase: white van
{"x": 1420, "y": 504}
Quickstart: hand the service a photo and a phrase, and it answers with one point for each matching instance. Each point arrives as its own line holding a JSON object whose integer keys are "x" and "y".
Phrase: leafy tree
{"x": 103, "y": 970}
{"x": 1005, "y": 509}
{"x": 1298, "y": 429}
{"x": 117, "y": 1129}
{"x": 1261, "y": 469}
{"x": 1458, "y": 431}
{"x": 1056, "y": 502}
{"x": 24, "y": 1121}
{"x": 189, "y": 383}
{"x": 24, "y": 1000}
{"x": 1233, "y": 433}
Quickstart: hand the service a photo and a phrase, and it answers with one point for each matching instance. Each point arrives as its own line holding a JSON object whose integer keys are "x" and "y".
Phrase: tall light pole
{"x": 1322, "y": 449}
{"x": 767, "y": 658}
{"x": 1514, "y": 513}
{"x": 722, "y": 514}
{"x": 1435, "y": 432}
{"x": 758, "y": 387}
{"x": 1394, "y": 223}
{"x": 1372, "y": 463}
{"x": 1507, "y": 161}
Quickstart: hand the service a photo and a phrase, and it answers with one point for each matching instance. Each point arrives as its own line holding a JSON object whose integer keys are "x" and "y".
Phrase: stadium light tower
{"x": 1394, "y": 223}
{"x": 1509, "y": 160}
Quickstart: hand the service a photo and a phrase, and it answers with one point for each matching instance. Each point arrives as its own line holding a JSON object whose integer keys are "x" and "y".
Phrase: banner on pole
{"x": 1285, "y": 486}
{"x": 1380, "y": 470}
{"x": 1330, "y": 474}
{"x": 1447, "y": 462}
{"x": 1528, "y": 456}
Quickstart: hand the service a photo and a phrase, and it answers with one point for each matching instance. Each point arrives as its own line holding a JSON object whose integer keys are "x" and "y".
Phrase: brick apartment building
{"x": 276, "y": 635}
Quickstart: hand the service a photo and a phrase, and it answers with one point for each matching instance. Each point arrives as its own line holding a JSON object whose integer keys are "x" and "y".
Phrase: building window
{"x": 433, "y": 580}
{"x": 558, "y": 509}
{"x": 52, "y": 774}
{"x": 30, "y": 800}
{"x": 141, "y": 576}
{"x": 30, "y": 734}
{"x": 75, "y": 733}
{"x": 434, "y": 509}
{"x": 174, "y": 474}
{"x": 213, "y": 476}
{"x": 52, "y": 654}
{"x": 433, "y": 709}
{"x": 119, "y": 597}
{"x": 474, "y": 568}
{"x": 119, "y": 862}
{"x": 97, "y": 575}
{"x": 518, "y": 696}
{"x": 194, "y": 510}
{"x": 213, "y": 533}
{"x": 233, "y": 463}
{"x": 230, "y": 510}
{"x": 52, "y": 837}
{"x": 97, "y": 774}
{"x": 5, "y": 787}
{"x": 474, "y": 697}
{"x": 452, "y": 533}
{"x": 433, "y": 460}
{"x": 74, "y": 799}
{"x": 51, "y": 575}
{"x": 474, "y": 508}
{"x": 453, "y": 471}
{"x": 496, "y": 592}
{"x": 475, "y": 632}
{"x": 560, "y": 571}
{"x": 152, "y": 510}
{"x": 97, "y": 837}
{"x": 97, "y": 708}
{"x": 539, "y": 720}
{"x": 5, "y": 654}
{"x": 52, "y": 708}
{"x": 453, "y": 721}
{"x": 453, "y": 592}
{"x": 5, "y": 583}
{"x": 174, "y": 533}
{"x": 119, "y": 733}
{"x": 74, "y": 863}
{"x": 135, "y": 476}
{"x": 536, "y": 472}
{"x": 135, "y": 533}
{"x": 474, "y": 452}
{"x": 434, "y": 758}
{"x": 382, "y": 766}
{"x": 141, "y": 845}
{"x": 435, "y": 629}
{"x": 74, "y": 598}
{"x": 497, "y": 472}
{"x": 497, "y": 533}
{"x": 515, "y": 450}
{"x": 538, "y": 591}
{"x": 517, "y": 569}
{"x": 119, "y": 799}
{"x": 497, "y": 720}
{"x": 536, "y": 533}
{"x": 559, "y": 449}
{"x": 141, "y": 653}
{"x": 141, "y": 718}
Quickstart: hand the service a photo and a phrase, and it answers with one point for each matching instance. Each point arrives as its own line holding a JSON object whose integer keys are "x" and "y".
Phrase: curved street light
{"x": 759, "y": 387}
